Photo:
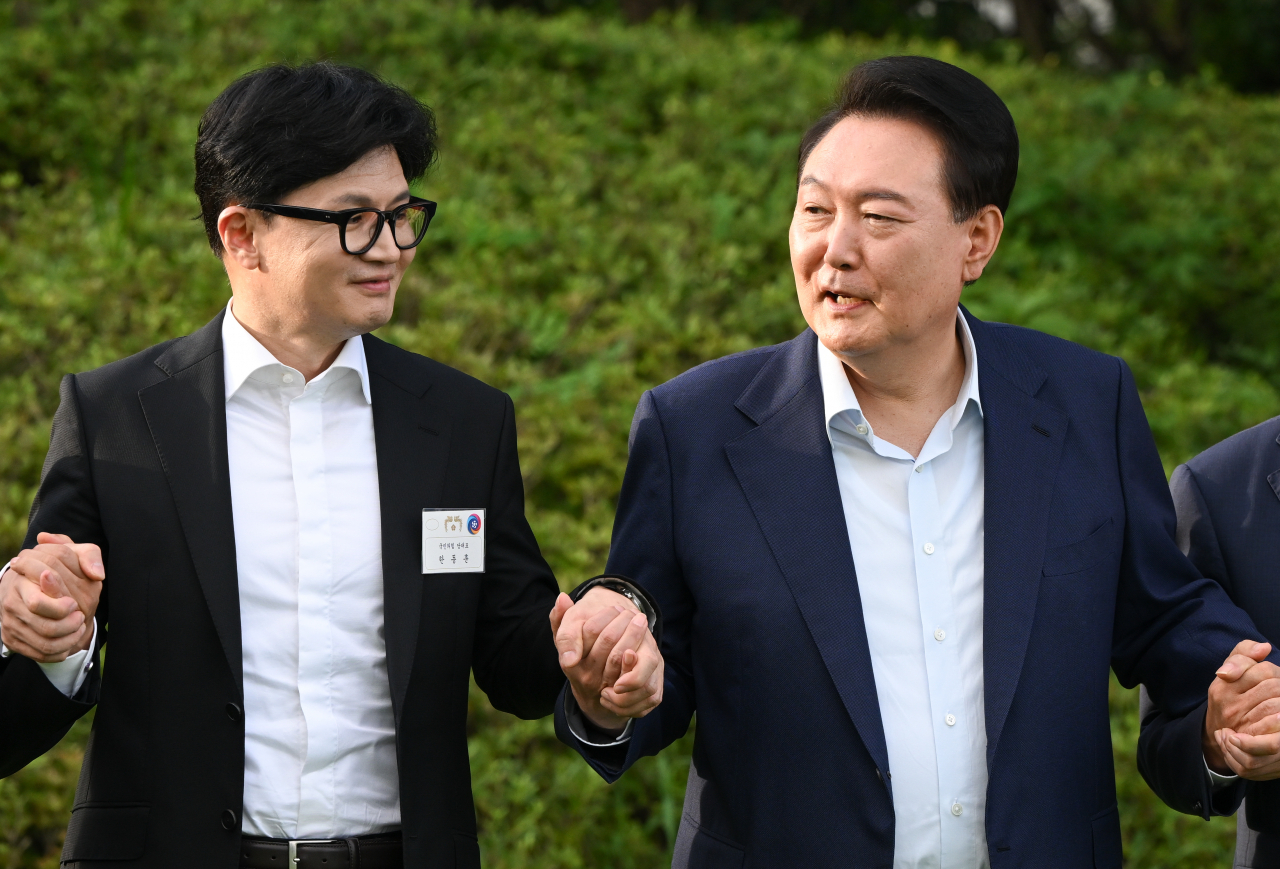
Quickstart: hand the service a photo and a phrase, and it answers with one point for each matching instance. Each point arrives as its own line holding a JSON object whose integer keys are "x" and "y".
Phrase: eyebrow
{"x": 874, "y": 194}
{"x": 359, "y": 200}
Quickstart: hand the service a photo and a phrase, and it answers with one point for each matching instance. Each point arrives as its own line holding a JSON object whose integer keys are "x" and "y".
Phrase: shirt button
{"x": 957, "y": 809}
{"x": 939, "y": 635}
{"x": 862, "y": 429}
{"x": 288, "y": 378}
{"x": 919, "y": 468}
{"x": 951, "y": 720}
{"x": 928, "y": 549}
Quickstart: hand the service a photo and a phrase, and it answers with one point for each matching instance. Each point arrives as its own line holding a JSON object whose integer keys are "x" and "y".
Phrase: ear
{"x": 985, "y": 229}
{"x": 237, "y": 227}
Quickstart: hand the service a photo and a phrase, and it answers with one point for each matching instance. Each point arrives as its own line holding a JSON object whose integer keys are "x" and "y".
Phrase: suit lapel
{"x": 787, "y": 473}
{"x": 1023, "y": 440}
{"x": 187, "y": 416}
{"x": 411, "y": 435}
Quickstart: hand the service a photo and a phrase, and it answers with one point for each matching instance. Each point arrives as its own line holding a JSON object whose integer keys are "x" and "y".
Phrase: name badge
{"x": 453, "y": 541}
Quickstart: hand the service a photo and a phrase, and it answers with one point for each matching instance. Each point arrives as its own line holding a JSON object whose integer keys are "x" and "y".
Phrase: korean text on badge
{"x": 453, "y": 541}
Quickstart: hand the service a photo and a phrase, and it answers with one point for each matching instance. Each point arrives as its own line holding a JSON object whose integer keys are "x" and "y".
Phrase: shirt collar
{"x": 838, "y": 396}
{"x": 243, "y": 355}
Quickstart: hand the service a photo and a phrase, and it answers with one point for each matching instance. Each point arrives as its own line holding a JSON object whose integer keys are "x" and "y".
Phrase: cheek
{"x": 807, "y": 249}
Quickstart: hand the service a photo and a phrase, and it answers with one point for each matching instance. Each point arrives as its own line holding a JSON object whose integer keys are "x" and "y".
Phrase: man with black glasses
{"x": 300, "y": 539}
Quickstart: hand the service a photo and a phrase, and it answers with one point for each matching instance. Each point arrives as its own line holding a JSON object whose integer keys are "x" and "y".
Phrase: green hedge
{"x": 613, "y": 209}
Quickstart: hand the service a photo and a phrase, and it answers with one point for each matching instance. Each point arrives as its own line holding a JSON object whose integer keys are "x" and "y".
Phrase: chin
{"x": 375, "y": 316}
{"x": 377, "y": 322}
{"x": 841, "y": 339}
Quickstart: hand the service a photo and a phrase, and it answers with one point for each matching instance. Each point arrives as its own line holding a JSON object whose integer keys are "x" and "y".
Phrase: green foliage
{"x": 614, "y": 209}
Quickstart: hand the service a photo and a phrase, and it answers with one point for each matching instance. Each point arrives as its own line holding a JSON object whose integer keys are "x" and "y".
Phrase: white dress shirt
{"x": 320, "y": 752}
{"x": 320, "y": 749}
{"x": 916, "y": 530}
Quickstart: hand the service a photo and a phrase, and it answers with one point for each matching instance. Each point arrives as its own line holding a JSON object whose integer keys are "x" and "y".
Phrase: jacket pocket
{"x": 106, "y": 832}
{"x": 1107, "y": 848}
{"x": 1085, "y": 553}
{"x": 698, "y": 849}
{"x": 466, "y": 851}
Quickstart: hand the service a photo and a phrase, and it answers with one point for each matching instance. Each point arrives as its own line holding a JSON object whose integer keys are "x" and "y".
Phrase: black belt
{"x": 382, "y": 851}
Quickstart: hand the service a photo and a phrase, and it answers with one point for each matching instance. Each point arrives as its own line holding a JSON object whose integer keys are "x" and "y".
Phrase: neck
{"x": 903, "y": 390}
{"x": 302, "y": 350}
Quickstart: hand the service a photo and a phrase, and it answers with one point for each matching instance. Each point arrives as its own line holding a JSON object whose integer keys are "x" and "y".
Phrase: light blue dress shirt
{"x": 916, "y": 531}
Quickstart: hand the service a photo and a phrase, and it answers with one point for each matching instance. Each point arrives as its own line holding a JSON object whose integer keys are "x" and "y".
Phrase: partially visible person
{"x": 1228, "y": 504}
{"x": 245, "y": 511}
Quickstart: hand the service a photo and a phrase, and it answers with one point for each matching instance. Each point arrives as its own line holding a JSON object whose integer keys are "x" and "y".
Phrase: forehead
{"x": 376, "y": 175}
{"x": 890, "y": 153}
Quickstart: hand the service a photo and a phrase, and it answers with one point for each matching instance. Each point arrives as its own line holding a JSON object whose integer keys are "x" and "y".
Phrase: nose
{"x": 384, "y": 248}
{"x": 844, "y": 245}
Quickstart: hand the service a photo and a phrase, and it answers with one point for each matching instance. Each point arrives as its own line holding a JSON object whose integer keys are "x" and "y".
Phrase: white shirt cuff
{"x": 1218, "y": 781}
{"x": 578, "y": 725}
{"x": 67, "y": 676}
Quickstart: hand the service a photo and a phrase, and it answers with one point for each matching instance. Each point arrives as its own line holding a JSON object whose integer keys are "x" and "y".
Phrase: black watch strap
{"x": 633, "y": 592}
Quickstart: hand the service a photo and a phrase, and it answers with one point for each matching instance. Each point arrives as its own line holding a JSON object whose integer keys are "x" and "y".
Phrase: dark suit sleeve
{"x": 514, "y": 657}
{"x": 643, "y": 548}
{"x": 1173, "y": 628}
{"x": 1170, "y": 754}
{"x": 34, "y": 715}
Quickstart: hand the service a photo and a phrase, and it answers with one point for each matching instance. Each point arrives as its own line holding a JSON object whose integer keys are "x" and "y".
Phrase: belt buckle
{"x": 294, "y": 859}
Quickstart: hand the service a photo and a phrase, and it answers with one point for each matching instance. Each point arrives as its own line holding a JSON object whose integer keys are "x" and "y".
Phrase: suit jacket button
{"x": 1198, "y": 808}
{"x": 234, "y": 712}
{"x": 229, "y": 819}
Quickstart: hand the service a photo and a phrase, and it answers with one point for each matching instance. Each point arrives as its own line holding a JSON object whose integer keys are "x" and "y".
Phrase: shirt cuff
{"x": 1218, "y": 781}
{"x": 594, "y": 736}
{"x": 5, "y": 651}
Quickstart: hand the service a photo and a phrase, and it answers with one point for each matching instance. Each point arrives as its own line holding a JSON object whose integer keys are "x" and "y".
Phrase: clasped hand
{"x": 1242, "y": 723}
{"x": 613, "y": 664}
{"x": 50, "y": 594}
{"x": 48, "y": 598}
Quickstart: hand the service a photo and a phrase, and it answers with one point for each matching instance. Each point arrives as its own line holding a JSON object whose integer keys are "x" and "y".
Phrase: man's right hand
{"x": 49, "y": 596}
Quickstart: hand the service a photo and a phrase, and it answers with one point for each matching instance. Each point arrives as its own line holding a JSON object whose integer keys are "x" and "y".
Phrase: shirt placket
{"x": 942, "y": 662}
{"x": 316, "y": 809}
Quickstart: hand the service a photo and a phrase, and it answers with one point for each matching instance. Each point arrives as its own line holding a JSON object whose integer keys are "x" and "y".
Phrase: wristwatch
{"x": 631, "y": 591}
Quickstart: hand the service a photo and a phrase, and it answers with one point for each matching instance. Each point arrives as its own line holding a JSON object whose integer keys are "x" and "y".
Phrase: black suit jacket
{"x": 138, "y": 465}
{"x": 1228, "y": 503}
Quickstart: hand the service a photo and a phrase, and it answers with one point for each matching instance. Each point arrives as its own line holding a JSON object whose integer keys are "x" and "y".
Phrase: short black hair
{"x": 282, "y": 127}
{"x": 978, "y": 137}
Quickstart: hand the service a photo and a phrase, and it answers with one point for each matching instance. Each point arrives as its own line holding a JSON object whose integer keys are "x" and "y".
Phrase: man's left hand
{"x": 613, "y": 664}
{"x": 1241, "y": 727}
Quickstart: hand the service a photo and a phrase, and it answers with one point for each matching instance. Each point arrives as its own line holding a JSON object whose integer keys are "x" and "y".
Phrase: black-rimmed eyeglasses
{"x": 359, "y": 228}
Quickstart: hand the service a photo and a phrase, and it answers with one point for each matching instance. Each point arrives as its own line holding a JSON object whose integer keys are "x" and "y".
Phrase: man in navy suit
{"x": 1228, "y": 504}
{"x": 897, "y": 555}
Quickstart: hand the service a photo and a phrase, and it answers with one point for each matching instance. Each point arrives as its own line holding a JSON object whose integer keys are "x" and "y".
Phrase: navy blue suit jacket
{"x": 730, "y": 515}
{"x": 1228, "y": 504}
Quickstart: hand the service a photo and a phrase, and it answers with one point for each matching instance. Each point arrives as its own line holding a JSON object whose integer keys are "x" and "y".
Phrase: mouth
{"x": 375, "y": 284}
{"x": 843, "y": 301}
